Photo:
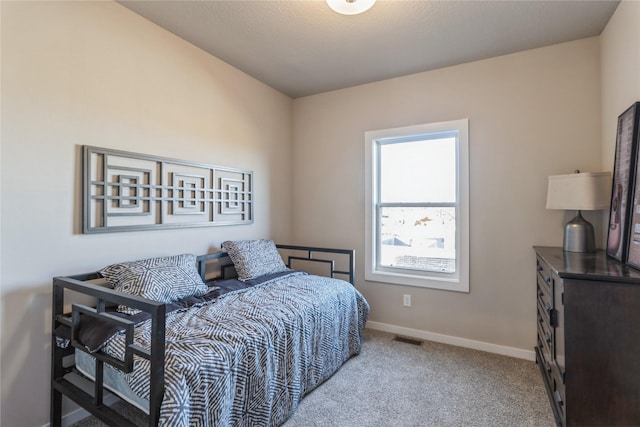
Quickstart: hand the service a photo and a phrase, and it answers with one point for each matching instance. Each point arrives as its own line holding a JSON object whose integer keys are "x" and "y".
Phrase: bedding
{"x": 254, "y": 258}
{"x": 94, "y": 332}
{"x": 246, "y": 355}
{"x": 163, "y": 279}
{"x": 114, "y": 380}
{"x": 234, "y": 352}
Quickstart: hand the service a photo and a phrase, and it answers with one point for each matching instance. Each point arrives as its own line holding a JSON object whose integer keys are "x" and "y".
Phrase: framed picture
{"x": 624, "y": 171}
{"x": 633, "y": 241}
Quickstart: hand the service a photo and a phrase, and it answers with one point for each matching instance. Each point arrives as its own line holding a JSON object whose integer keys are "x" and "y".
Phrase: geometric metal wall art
{"x": 126, "y": 191}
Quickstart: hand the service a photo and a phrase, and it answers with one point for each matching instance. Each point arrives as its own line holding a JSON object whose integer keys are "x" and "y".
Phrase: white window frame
{"x": 458, "y": 281}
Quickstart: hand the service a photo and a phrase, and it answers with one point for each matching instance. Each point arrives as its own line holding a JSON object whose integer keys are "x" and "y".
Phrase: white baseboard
{"x": 451, "y": 340}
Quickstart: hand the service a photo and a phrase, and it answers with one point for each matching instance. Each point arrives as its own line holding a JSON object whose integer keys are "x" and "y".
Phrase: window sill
{"x": 454, "y": 284}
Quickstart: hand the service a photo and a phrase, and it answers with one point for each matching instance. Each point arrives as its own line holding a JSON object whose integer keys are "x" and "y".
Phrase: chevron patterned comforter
{"x": 248, "y": 357}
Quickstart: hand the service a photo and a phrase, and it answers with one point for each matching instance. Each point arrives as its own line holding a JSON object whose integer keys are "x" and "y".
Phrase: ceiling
{"x": 301, "y": 47}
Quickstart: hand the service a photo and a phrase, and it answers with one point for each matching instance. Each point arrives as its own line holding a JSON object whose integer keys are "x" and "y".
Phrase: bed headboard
{"x": 335, "y": 263}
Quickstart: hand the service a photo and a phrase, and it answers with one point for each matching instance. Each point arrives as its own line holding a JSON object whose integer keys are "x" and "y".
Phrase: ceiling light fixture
{"x": 350, "y": 7}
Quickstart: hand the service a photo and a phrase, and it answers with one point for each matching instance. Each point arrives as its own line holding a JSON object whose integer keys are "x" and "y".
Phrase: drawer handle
{"x": 553, "y": 317}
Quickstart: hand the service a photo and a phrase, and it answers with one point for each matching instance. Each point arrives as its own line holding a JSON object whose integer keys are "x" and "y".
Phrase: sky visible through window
{"x": 418, "y": 237}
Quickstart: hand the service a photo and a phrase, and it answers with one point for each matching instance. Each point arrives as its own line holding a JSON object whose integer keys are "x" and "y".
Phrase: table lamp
{"x": 578, "y": 191}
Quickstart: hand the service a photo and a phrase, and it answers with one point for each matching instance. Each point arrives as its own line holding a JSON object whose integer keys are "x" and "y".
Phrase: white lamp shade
{"x": 579, "y": 191}
{"x": 350, "y": 7}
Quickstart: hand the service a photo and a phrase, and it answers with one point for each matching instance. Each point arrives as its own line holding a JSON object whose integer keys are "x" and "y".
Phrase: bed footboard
{"x": 62, "y": 373}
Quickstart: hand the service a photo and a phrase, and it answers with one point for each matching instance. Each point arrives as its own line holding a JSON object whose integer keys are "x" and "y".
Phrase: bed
{"x": 234, "y": 351}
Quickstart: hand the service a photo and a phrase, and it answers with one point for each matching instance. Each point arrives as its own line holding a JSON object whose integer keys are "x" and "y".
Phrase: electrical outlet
{"x": 406, "y": 300}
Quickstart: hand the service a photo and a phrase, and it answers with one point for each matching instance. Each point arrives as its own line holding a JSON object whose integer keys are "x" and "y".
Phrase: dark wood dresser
{"x": 588, "y": 347}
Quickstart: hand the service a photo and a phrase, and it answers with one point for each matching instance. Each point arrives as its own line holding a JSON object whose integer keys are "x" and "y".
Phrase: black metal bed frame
{"x": 92, "y": 400}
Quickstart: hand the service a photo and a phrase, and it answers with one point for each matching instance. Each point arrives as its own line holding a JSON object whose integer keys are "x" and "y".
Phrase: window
{"x": 417, "y": 205}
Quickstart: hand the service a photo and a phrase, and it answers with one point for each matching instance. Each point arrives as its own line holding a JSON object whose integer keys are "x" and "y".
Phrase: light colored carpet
{"x": 398, "y": 384}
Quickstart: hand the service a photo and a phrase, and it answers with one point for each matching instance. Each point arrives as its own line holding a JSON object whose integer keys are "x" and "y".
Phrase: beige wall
{"x": 94, "y": 73}
{"x": 531, "y": 114}
{"x": 620, "y": 65}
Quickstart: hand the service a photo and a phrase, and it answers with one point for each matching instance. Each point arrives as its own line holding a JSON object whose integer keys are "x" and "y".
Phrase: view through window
{"x": 417, "y": 214}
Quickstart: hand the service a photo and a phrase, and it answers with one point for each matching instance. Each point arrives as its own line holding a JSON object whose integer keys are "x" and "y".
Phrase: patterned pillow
{"x": 163, "y": 279}
{"x": 254, "y": 258}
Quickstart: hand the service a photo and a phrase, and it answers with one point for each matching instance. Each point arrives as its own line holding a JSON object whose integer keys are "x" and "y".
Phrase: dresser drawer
{"x": 545, "y": 310}
{"x": 545, "y": 338}
{"x": 559, "y": 395}
{"x": 544, "y": 292}
{"x": 545, "y": 276}
{"x": 544, "y": 347}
